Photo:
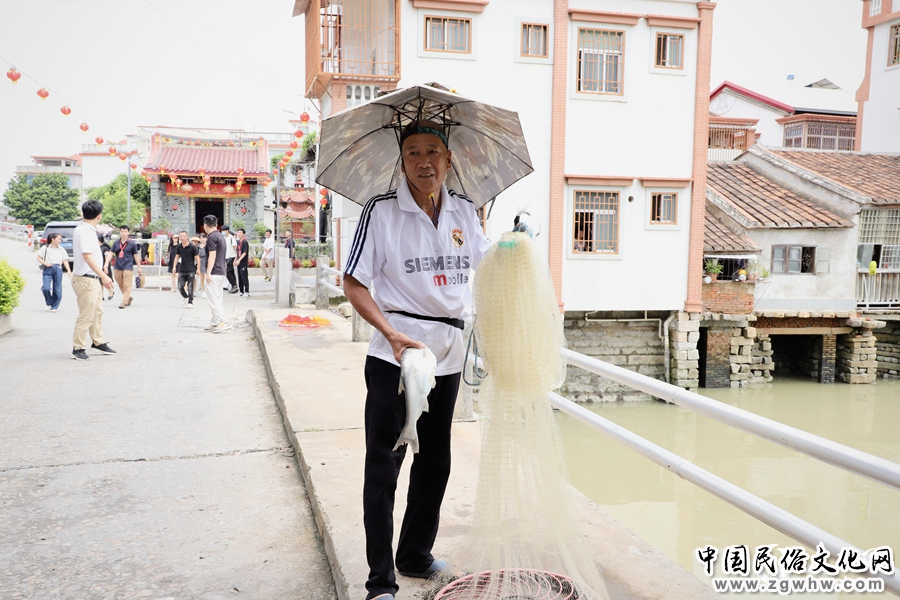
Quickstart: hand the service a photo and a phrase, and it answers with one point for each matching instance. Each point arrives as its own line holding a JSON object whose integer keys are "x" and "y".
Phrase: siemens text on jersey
{"x": 439, "y": 263}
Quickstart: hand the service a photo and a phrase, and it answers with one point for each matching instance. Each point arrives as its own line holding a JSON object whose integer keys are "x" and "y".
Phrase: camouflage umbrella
{"x": 359, "y": 151}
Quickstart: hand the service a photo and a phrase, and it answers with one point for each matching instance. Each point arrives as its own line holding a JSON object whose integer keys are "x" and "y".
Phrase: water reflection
{"x": 676, "y": 517}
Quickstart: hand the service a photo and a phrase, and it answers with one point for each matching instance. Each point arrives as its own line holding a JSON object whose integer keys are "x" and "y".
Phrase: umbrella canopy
{"x": 359, "y": 151}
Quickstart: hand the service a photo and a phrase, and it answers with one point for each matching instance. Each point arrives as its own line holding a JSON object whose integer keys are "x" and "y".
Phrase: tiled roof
{"x": 876, "y": 176}
{"x": 216, "y": 161}
{"x": 757, "y": 202}
{"x": 218, "y": 157}
{"x": 718, "y": 238}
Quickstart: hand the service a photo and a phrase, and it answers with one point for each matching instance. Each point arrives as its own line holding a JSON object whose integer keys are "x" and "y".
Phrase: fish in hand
{"x": 417, "y": 367}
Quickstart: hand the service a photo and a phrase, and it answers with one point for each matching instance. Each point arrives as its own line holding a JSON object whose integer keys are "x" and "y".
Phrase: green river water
{"x": 676, "y": 517}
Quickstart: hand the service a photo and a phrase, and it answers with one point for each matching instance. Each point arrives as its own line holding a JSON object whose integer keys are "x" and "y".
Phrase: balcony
{"x": 37, "y": 169}
{"x": 729, "y": 138}
{"x": 881, "y": 290}
{"x": 356, "y": 40}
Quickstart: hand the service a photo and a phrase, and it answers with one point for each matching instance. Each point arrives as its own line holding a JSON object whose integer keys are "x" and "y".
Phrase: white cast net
{"x": 525, "y": 531}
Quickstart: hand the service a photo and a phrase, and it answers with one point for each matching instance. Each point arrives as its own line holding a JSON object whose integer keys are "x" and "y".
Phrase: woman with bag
{"x": 52, "y": 259}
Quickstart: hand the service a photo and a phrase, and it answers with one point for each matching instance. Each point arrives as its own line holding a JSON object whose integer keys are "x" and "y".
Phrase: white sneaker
{"x": 210, "y": 327}
{"x": 221, "y": 327}
{"x": 201, "y": 295}
{"x": 190, "y": 305}
{"x": 184, "y": 302}
{"x": 46, "y": 308}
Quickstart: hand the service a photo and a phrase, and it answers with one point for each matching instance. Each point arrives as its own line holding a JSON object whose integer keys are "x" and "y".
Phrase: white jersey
{"x": 230, "y": 247}
{"x": 84, "y": 241}
{"x": 409, "y": 265}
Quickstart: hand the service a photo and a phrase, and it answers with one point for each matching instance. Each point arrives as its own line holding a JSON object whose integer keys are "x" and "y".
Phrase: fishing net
{"x": 295, "y": 321}
{"x": 525, "y": 541}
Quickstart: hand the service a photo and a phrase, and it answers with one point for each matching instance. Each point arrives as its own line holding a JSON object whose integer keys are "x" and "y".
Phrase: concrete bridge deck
{"x": 317, "y": 379}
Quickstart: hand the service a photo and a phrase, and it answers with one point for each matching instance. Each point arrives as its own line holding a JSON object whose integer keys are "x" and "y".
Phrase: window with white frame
{"x": 879, "y": 238}
{"x": 669, "y": 51}
{"x": 595, "y": 225}
{"x": 448, "y": 34}
{"x": 534, "y": 40}
{"x": 894, "y": 45}
{"x": 794, "y": 259}
{"x": 601, "y": 61}
{"x": 663, "y": 208}
{"x": 874, "y": 7}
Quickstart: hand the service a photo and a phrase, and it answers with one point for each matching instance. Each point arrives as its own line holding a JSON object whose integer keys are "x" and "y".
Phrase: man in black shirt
{"x": 215, "y": 274}
{"x": 187, "y": 263}
{"x": 289, "y": 243}
{"x": 243, "y": 263}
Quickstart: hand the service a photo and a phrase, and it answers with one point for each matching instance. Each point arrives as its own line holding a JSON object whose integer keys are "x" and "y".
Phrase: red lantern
{"x": 66, "y": 111}
{"x": 228, "y": 189}
{"x": 99, "y": 140}
{"x": 304, "y": 118}
{"x": 43, "y": 93}
{"x": 240, "y": 170}
{"x": 298, "y": 134}
{"x": 112, "y": 150}
{"x": 123, "y": 156}
{"x": 289, "y": 153}
{"x": 178, "y": 183}
{"x": 133, "y": 166}
{"x": 84, "y": 127}
{"x": 13, "y": 75}
{"x": 294, "y": 145}
{"x": 323, "y": 191}
{"x": 162, "y": 169}
{"x": 275, "y": 172}
{"x": 187, "y": 188}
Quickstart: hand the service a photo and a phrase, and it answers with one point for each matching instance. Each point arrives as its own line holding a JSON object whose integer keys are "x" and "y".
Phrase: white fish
{"x": 417, "y": 367}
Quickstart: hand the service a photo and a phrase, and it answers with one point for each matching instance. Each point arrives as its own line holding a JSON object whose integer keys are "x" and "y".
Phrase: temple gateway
{"x": 195, "y": 177}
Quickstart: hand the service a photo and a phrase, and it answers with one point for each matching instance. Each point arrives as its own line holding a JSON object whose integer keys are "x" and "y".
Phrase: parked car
{"x": 65, "y": 229}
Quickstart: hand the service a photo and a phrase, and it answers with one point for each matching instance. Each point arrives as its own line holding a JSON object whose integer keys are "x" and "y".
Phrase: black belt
{"x": 90, "y": 276}
{"x": 458, "y": 323}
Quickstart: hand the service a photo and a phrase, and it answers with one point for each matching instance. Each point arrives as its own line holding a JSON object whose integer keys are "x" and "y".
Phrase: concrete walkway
{"x": 161, "y": 472}
{"x": 317, "y": 377}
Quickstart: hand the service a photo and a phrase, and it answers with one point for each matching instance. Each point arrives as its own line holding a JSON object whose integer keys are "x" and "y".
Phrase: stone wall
{"x": 887, "y": 344}
{"x": 735, "y": 356}
{"x": 685, "y": 357}
{"x": 731, "y": 297}
{"x": 634, "y": 345}
{"x": 856, "y": 352}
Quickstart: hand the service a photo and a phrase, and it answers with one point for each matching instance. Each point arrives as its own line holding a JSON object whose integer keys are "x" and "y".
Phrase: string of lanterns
{"x": 14, "y": 75}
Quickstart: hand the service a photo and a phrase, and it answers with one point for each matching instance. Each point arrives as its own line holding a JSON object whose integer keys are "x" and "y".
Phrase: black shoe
{"x": 233, "y": 290}
{"x": 104, "y": 347}
{"x": 80, "y": 354}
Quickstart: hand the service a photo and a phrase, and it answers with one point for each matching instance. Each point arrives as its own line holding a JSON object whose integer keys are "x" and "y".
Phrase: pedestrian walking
{"x": 127, "y": 256}
{"x": 203, "y": 258}
{"x": 173, "y": 245}
{"x": 215, "y": 274}
{"x": 230, "y": 255}
{"x": 187, "y": 264}
{"x": 53, "y": 259}
{"x": 289, "y": 243}
{"x": 267, "y": 261}
{"x": 243, "y": 263}
{"x": 107, "y": 261}
{"x": 88, "y": 282}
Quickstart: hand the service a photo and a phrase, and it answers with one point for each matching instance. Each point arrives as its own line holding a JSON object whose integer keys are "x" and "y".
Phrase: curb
{"x": 323, "y": 524}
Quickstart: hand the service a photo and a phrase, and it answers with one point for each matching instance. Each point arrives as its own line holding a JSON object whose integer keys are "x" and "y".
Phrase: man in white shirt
{"x": 230, "y": 255}
{"x": 88, "y": 281}
{"x": 415, "y": 247}
{"x": 268, "y": 255}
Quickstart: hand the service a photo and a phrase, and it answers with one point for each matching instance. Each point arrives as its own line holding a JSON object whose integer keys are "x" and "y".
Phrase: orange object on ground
{"x": 294, "y": 321}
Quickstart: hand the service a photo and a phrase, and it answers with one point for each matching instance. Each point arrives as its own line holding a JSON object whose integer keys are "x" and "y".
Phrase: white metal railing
{"x": 723, "y": 154}
{"x": 14, "y": 231}
{"x": 881, "y": 290}
{"x": 325, "y": 290}
{"x": 850, "y": 459}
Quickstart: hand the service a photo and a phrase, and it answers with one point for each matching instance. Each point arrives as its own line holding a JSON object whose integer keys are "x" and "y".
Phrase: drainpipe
{"x": 662, "y": 331}
{"x": 666, "y": 344}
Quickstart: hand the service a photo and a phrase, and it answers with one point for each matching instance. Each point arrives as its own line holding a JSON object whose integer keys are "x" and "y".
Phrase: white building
{"x": 613, "y": 99}
{"x": 879, "y": 93}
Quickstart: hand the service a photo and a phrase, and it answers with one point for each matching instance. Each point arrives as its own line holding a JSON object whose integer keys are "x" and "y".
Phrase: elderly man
{"x": 414, "y": 247}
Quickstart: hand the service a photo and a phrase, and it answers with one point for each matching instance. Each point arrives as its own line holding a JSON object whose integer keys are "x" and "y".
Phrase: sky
{"x": 119, "y": 64}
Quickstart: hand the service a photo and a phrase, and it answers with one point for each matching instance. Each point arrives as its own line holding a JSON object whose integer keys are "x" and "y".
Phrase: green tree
{"x": 47, "y": 197}
{"x": 114, "y": 197}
